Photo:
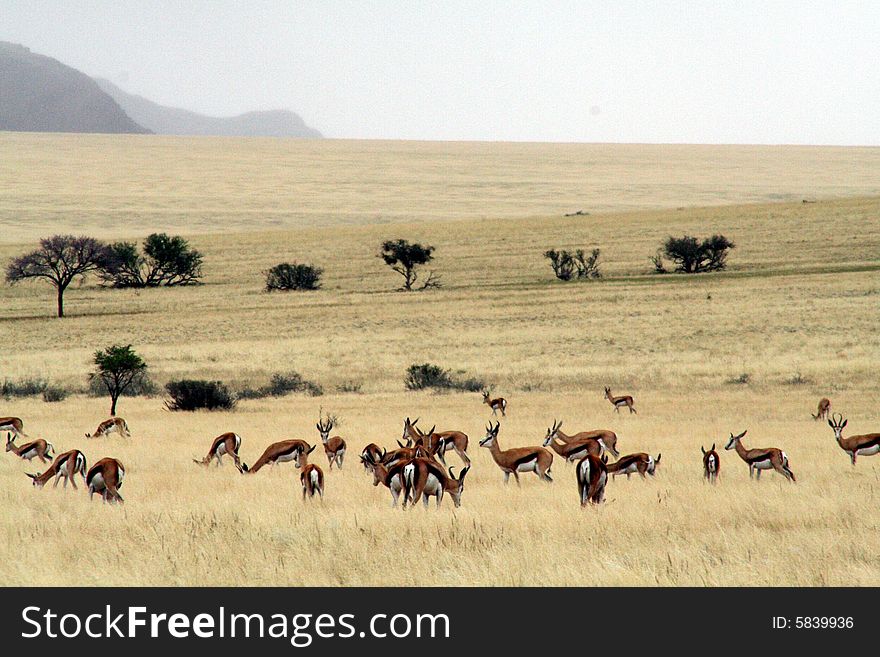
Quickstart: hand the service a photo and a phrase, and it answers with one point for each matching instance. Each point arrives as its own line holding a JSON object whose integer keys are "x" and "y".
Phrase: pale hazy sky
{"x": 701, "y": 72}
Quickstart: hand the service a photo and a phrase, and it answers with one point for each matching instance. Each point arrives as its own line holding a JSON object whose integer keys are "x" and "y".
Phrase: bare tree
{"x": 60, "y": 259}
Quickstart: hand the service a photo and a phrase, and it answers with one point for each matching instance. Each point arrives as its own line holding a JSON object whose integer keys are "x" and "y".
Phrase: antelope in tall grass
{"x": 227, "y": 443}
{"x": 438, "y": 442}
{"x": 574, "y": 451}
{"x": 822, "y": 411}
{"x": 373, "y": 452}
{"x": 280, "y": 452}
{"x": 606, "y": 437}
{"x": 424, "y": 478}
{"x": 497, "y": 404}
{"x": 761, "y": 459}
{"x": 66, "y": 466}
{"x": 311, "y": 476}
{"x": 36, "y": 448}
{"x": 711, "y": 464}
{"x": 618, "y": 402}
{"x": 592, "y": 475}
{"x": 866, "y": 444}
{"x": 633, "y": 463}
{"x": 334, "y": 447}
{"x": 13, "y": 424}
{"x": 107, "y": 427}
{"x": 389, "y": 476}
{"x": 105, "y": 477}
{"x": 518, "y": 459}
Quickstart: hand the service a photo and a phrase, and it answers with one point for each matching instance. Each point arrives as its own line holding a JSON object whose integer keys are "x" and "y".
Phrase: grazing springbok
{"x": 375, "y": 454}
{"x": 389, "y": 476}
{"x": 618, "y": 402}
{"x": 311, "y": 476}
{"x": 761, "y": 459}
{"x": 424, "y": 478}
{"x": 438, "y": 442}
{"x": 13, "y": 424}
{"x": 66, "y": 466}
{"x": 606, "y": 437}
{"x": 226, "y": 443}
{"x": 280, "y": 452}
{"x": 866, "y": 444}
{"x": 518, "y": 459}
{"x": 39, "y": 448}
{"x": 822, "y": 411}
{"x": 334, "y": 447}
{"x": 632, "y": 463}
{"x": 711, "y": 464}
{"x": 592, "y": 475}
{"x": 106, "y": 427}
{"x": 105, "y": 477}
{"x": 497, "y": 404}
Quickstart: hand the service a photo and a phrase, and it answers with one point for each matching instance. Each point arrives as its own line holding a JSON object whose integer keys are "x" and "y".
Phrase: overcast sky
{"x": 700, "y": 72}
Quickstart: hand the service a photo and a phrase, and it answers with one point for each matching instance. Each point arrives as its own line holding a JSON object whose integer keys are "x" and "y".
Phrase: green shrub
{"x": 426, "y": 375}
{"x": 191, "y": 395}
{"x": 54, "y": 394}
{"x": 287, "y": 276}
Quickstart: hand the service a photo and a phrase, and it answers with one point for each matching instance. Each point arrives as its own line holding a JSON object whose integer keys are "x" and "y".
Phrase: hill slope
{"x": 175, "y": 121}
{"x": 40, "y": 94}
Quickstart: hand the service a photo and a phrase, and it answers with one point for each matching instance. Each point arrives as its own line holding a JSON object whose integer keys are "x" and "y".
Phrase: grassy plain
{"x": 801, "y": 297}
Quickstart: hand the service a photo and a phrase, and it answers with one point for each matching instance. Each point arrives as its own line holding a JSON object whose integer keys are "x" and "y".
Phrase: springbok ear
{"x": 32, "y": 476}
{"x": 844, "y": 424}
{"x": 657, "y": 460}
{"x": 605, "y": 458}
{"x": 311, "y": 449}
{"x": 713, "y": 447}
{"x": 703, "y": 449}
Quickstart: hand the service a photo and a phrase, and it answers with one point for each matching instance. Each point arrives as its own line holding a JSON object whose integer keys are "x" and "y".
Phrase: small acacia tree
{"x": 404, "y": 258}
{"x": 60, "y": 259}
{"x": 166, "y": 261}
{"x": 692, "y": 256}
{"x": 117, "y": 367}
{"x": 567, "y": 265}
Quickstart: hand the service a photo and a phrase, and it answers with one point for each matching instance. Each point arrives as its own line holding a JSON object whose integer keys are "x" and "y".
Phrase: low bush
{"x": 191, "y": 395}
{"x": 22, "y": 388}
{"x": 281, "y": 384}
{"x": 287, "y": 276}
{"x": 54, "y": 394}
{"x": 426, "y": 375}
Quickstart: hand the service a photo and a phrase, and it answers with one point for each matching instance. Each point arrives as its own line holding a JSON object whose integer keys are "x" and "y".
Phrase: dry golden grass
{"x": 801, "y": 296}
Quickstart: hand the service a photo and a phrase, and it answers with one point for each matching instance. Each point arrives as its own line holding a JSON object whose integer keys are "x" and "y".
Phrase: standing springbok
{"x": 592, "y": 475}
{"x": 866, "y": 444}
{"x": 574, "y": 451}
{"x": 13, "y": 424}
{"x": 66, "y": 466}
{"x": 424, "y": 478}
{"x": 822, "y": 411}
{"x": 518, "y": 459}
{"x": 632, "y": 463}
{"x": 761, "y": 459}
{"x": 311, "y": 476}
{"x": 389, "y": 476}
{"x": 606, "y": 439}
{"x": 106, "y": 427}
{"x": 371, "y": 453}
{"x": 280, "y": 452}
{"x": 711, "y": 464}
{"x": 226, "y": 443}
{"x": 438, "y": 442}
{"x": 105, "y": 477}
{"x": 334, "y": 447}
{"x": 497, "y": 404}
{"x": 39, "y": 448}
{"x": 618, "y": 402}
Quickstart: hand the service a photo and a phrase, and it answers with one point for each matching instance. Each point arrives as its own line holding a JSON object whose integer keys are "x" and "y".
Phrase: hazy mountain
{"x": 40, "y": 94}
{"x": 175, "y": 121}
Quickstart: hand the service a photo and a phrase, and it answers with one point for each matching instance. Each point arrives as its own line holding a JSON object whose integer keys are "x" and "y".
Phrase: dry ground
{"x": 801, "y": 296}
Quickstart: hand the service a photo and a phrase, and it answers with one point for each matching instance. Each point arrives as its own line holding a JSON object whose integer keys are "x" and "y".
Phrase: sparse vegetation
{"x": 567, "y": 265}
{"x": 798, "y": 379}
{"x": 740, "y": 380}
{"x": 691, "y": 256}
{"x": 406, "y": 258}
{"x": 350, "y": 387}
{"x": 281, "y": 384}
{"x": 426, "y": 375}
{"x": 54, "y": 394}
{"x": 293, "y": 276}
{"x": 166, "y": 261}
{"x": 194, "y": 395}
{"x": 22, "y": 388}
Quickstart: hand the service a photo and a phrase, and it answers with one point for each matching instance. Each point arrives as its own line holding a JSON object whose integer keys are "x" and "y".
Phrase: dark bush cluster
{"x": 689, "y": 255}
{"x": 567, "y": 265}
{"x": 426, "y": 375}
{"x": 165, "y": 261}
{"x": 22, "y": 388}
{"x": 282, "y": 384}
{"x": 192, "y": 395}
{"x": 293, "y": 276}
{"x": 54, "y": 394}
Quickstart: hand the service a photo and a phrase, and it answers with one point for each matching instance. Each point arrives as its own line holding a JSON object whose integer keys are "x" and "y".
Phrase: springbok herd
{"x": 417, "y": 468}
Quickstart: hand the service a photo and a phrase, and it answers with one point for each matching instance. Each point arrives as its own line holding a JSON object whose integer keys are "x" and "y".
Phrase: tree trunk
{"x": 113, "y": 398}
{"x": 60, "y": 301}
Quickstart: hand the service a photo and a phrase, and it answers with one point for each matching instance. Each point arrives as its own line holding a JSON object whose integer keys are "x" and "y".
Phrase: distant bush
{"x": 691, "y": 256}
{"x": 141, "y": 386}
{"x": 353, "y": 387}
{"x": 166, "y": 261}
{"x": 22, "y": 388}
{"x": 426, "y": 375}
{"x": 282, "y": 384}
{"x": 742, "y": 380}
{"x": 191, "y": 395}
{"x": 798, "y": 380}
{"x": 293, "y": 276}
{"x": 54, "y": 394}
{"x": 567, "y": 265}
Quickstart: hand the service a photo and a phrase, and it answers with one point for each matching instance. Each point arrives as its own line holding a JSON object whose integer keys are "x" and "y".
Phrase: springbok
{"x": 424, "y": 478}
{"x": 226, "y": 443}
{"x": 105, "y": 477}
{"x": 592, "y": 475}
{"x": 606, "y": 437}
{"x": 374, "y": 452}
{"x": 711, "y": 464}
{"x": 390, "y": 476}
{"x": 66, "y": 466}
{"x": 334, "y": 447}
{"x": 822, "y": 411}
{"x": 866, "y": 444}
{"x": 618, "y": 402}
{"x": 574, "y": 451}
{"x": 438, "y": 442}
{"x": 13, "y": 424}
{"x": 280, "y": 452}
{"x": 311, "y": 476}
{"x": 39, "y": 448}
{"x": 497, "y": 404}
{"x": 632, "y": 463}
{"x": 106, "y": 427}
{"x": 761, "y": 459}
{"x": 518, "y": 459}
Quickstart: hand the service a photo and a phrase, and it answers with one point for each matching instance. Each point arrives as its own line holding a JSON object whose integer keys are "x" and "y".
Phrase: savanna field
{"x": 794, "y": 318}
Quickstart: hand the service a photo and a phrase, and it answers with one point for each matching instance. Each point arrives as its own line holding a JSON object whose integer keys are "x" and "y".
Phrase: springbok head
{"x": 491, "y": 435}
{"x": 552, "y": 432}
{"x": 731, "y": 444}
{"x": 837, "y": 422}
{"x": 324, "y": 428}
{"x": 456, "y": 492}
